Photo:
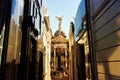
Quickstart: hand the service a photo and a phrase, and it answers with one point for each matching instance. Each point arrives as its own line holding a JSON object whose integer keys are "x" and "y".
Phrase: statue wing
{"x": 59, "y": 18}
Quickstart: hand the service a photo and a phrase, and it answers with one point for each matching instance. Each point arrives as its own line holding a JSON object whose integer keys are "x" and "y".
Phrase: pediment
{"x": 59, "y": 39}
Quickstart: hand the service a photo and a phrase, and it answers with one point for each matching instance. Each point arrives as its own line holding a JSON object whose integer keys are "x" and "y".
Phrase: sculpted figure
{"x": 60, "y": 21}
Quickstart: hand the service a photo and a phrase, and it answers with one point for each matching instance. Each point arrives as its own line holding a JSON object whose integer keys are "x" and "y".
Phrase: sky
{"x": 65, "y": 8}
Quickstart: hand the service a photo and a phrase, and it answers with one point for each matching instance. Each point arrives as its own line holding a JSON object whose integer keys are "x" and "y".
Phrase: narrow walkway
{"x": 59, "y": 76}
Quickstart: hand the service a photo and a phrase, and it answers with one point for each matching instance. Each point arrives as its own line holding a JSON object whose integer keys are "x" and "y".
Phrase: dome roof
{"x": 59, "y": 32}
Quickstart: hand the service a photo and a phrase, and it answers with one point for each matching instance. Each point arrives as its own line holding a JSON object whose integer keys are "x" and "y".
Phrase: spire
{"x": 44, "y": 8}
{"x": 45, "y": 12}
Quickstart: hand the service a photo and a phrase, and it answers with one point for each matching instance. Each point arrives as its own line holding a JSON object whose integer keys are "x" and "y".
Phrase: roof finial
{"x": 60, "y": 22}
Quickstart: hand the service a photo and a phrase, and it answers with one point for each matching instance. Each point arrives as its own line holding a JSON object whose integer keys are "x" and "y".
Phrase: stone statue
{"x": 60, "y": 22}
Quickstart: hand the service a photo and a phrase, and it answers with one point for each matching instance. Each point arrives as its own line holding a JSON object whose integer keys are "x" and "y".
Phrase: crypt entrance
{"x": 59, "y": 60}
{"x": 59, "y": 56}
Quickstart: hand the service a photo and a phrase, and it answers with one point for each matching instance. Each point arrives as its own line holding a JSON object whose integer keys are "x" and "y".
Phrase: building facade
{"x": 44, "y": 50}
{"x": 82, "y": 50}
{"x": 106, "y": 30}
{"x": 102, "y": 37}
{"x": 11, "y": 34}
{"x": 73, "y": 72}
{"x": 54, "y": 51}
{"x": 18, "y": 39}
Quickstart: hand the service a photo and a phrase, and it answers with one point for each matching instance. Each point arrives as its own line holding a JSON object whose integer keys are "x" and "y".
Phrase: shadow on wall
{"x": 108, "y": 57}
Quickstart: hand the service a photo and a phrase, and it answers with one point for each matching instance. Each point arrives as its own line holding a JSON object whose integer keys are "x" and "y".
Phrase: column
{"x": 66, "y": 58}
{"x": 54, "y": 58}
{"x": 45, "y": 73}
{"x": 48, "y": 60}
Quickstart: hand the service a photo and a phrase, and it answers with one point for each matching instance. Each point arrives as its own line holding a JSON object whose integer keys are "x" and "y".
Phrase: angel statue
{"x": 60, "y": 21}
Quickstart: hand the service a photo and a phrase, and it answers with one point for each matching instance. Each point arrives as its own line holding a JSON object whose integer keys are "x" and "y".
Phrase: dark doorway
{"x": 40, "y": 66}
{"x": 81, "y": 62}
{"x": 59, "y": 62}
